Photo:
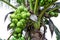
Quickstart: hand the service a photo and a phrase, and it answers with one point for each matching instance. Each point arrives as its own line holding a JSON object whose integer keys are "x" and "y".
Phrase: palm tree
{"x": 40, "y": 13}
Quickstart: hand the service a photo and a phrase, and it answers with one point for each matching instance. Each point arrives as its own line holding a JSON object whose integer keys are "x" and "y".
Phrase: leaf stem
{"x": 53, "y": 9}
{"x": 10, "y": 36}
{"x": 31, "y": 4}
{"x": 36, "y": 6}
{"x": 9, "y": 4}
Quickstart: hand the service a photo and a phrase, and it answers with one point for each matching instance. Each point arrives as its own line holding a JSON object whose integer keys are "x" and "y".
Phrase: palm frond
{"x": 57, "y": 33}
{"x": 8, "y": 27}
{"x": 7, "y": 15}
{"x": 56, "y": 30}
{"x": 51, "y": 26}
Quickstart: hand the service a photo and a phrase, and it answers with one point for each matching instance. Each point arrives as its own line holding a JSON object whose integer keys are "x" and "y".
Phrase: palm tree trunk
{"x": 36, "y": 35}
